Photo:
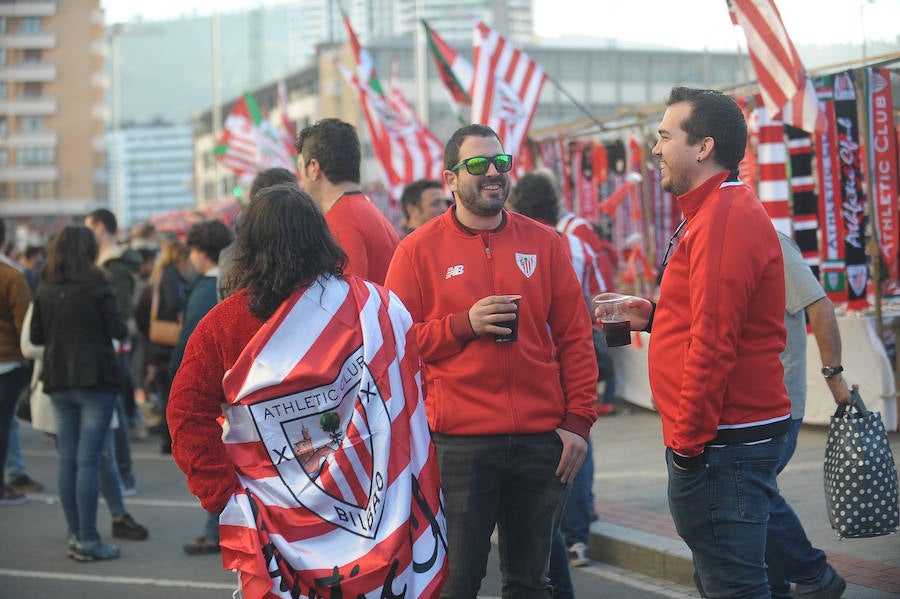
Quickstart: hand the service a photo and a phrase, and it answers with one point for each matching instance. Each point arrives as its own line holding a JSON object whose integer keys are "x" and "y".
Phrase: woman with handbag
{"x": 169, "y": 292}
{"x": 76, "y": 317}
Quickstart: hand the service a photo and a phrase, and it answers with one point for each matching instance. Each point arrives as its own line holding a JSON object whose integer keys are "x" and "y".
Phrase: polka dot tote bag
{"x": 860, "y": 474}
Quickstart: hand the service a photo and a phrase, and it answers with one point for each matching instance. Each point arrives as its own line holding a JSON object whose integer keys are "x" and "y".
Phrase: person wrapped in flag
{"x": 297, "y": 412}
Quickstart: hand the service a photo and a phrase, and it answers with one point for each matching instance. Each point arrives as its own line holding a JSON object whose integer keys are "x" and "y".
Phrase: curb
{"x": 643, "y": 552}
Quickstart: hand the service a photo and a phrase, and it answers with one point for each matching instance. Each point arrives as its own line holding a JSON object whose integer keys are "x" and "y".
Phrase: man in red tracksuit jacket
{"x": 718, "y": 331}
{"x": 510, "y": 420}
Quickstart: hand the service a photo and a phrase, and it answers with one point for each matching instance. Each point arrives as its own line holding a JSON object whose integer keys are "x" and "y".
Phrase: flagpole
{"x": 216, "y": 92}
{"x": 421, "y": 53}
{"x": 577, "y": 104}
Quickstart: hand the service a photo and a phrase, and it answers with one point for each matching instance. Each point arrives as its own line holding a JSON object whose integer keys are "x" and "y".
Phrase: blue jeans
{"x": 508, "y": 481}
{"x": 576, "y": 520}
{"x": 789, "y": 554}
{"x": 211, "y": 526}
{"x": 720, "y": 509}
{"x": 11, "y": 384}
{"x": 560, "y": 578}
{"x": 83, "y": 418}
{"x": 15, "y": 463}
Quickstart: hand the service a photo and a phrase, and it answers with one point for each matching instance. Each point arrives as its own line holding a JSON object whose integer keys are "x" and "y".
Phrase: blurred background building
{"x": 52, "y": 110}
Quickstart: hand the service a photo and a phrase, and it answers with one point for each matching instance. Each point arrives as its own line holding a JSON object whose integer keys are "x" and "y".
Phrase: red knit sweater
{"x": 196, "y": 398}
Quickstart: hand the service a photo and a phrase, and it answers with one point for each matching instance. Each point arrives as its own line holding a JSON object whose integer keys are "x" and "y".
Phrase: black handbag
{"x": 23, "y": 407}
{"x": 861, "y": 493}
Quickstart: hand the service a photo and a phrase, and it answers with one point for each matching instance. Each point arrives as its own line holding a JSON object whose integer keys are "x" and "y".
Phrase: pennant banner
{"x": 326, "y": 426}
{"x": 853, "y": 201}
{"x": 882, "y": 162}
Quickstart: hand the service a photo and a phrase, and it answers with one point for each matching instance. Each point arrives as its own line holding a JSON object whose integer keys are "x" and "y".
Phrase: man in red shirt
{"x": 329, "y": 159}
{"x": 718, "y": 330}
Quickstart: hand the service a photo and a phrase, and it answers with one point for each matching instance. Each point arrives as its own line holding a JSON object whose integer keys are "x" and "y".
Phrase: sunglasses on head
{"x": 478, "y": 165}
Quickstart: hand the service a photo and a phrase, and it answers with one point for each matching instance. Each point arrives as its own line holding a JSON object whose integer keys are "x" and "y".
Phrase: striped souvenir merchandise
{"x": 326, "y": 426}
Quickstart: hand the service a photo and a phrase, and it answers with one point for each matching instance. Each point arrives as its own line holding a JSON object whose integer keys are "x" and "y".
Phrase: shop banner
{"x": 882, "y": 163}
{"x": 828, "y": 184}
{"x": 853, "y": 199}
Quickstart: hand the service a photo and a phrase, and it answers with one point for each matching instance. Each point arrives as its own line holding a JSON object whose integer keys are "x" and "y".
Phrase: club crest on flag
{"x": 526, "y": 263}
{"x": 330, "y": 446}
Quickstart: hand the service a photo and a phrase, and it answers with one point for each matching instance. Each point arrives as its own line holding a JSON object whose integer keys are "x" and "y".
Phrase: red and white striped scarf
{"x": 326, "y": 426}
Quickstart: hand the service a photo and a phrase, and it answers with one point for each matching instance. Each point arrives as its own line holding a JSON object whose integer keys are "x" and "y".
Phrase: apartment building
{"x": 52, "y": 114}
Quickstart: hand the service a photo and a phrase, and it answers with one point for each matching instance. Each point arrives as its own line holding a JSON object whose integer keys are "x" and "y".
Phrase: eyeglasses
{"x": 478, "y": 165}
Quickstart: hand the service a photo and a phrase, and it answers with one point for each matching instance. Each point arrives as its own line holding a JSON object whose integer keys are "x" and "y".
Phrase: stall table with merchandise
{"x": 865, "y": 362}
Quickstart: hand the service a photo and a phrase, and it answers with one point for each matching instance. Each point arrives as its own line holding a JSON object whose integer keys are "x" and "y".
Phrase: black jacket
{"x": 76, "y": 323}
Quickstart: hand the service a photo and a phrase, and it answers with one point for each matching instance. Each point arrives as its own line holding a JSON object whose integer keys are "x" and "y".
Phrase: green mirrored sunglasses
{"x": 478, "y": 165}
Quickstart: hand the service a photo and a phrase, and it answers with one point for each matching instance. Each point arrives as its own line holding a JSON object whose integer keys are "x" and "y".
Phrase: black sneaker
{"x": 830, "y": 586}
{"x": 124, "y": 527}
{"x": 25, "y": 484}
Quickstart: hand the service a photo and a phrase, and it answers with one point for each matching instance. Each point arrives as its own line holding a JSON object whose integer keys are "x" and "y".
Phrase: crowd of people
{"x": 328, "y": 372}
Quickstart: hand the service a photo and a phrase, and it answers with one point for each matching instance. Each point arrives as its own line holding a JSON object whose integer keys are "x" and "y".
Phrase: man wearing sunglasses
{"x": 510, "y": 420}
{"x": 329, "y": 159}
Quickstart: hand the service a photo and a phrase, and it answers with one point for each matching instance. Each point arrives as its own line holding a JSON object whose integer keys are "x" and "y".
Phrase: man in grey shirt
{"x": 789, "y": 554}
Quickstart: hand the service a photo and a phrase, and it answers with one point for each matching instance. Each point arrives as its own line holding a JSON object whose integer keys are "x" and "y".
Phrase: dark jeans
{"x": 508, "y": 481}
{"x": 11, "y": 384}
{"x": 721, "y": 509}
{"x": 789, "y": 554}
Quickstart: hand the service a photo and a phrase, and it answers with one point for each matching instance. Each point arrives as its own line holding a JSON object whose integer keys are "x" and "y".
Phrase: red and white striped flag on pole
{"x": 404, "y": 148}
{"x": 326, "y": 426}
{"x": 785, "y": 88}
{"x": 505, "y": 89}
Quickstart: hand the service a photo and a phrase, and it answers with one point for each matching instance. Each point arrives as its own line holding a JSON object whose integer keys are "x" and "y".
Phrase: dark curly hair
{"x": 535, "y": 197}
{"x": 283, "y": 244}
{"x": 210, "y": 237}
{"x": 334, "y": 144}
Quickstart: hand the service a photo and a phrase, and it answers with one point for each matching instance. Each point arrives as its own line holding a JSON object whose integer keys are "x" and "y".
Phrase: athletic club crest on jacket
{"x": 526, "y": 263}
{"x": 327, "y": 430}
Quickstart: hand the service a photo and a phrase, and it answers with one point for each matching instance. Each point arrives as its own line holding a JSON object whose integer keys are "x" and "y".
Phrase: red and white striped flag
{"x": 785, "y": 88}
{"x": 326, "y": 426}
{"x": 404, "y": 148}
{"x": 506, "y": 87}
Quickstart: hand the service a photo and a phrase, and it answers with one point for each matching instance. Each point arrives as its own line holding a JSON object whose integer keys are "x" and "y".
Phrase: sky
{"x": 689, "y": 24}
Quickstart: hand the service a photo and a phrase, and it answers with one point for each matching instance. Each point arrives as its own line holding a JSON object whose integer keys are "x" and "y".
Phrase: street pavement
{"x": 636, "y": 551}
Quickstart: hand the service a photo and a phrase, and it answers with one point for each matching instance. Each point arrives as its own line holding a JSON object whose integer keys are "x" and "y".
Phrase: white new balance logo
{"x": 454, "y": 271}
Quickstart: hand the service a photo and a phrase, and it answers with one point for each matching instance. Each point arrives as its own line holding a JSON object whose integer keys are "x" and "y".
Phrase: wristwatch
{"x": 830, "y": 371}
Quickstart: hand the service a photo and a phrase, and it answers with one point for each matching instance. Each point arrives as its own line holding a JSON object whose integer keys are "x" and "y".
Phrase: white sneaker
{"x": 578, "y": 556}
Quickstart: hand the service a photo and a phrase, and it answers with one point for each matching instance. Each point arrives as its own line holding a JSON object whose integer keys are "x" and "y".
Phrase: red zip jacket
{"x": 475, "y": 386}
{"x": 719, "y": 324}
